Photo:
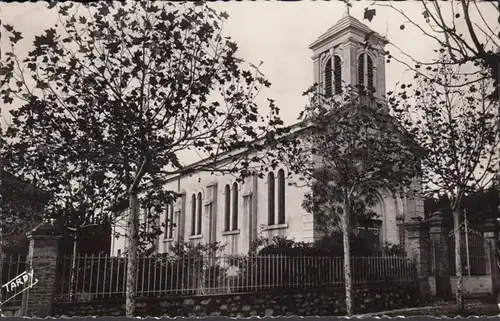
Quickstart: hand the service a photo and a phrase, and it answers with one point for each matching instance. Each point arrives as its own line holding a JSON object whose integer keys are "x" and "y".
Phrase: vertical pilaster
{"x": 316, "y": 69}
{"x": 248, "y": 219}
{"x": 211, "y": 210}
{"x": 181, "y": 228}
{"x": 348, "y": 71}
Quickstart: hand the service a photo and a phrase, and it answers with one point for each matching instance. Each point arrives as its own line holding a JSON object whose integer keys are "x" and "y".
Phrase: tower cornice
{"x": 347, "y": 24}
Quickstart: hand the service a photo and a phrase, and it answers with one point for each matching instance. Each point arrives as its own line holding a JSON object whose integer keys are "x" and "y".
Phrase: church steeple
{"x": 349, "y": 52}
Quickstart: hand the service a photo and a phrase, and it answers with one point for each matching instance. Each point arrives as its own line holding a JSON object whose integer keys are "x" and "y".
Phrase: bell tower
{"x": 349, "y": 53}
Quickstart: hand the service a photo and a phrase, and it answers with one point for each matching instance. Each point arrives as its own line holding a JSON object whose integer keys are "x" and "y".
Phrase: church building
{"x": 216, "y": 208}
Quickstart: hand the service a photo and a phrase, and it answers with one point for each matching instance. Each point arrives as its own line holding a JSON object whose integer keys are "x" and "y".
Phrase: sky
{"x": 278, "y": 34}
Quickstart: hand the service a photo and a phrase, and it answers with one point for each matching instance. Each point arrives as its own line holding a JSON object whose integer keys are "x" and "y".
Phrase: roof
{"x": 293, "y": 129}
{"x": 347, "y": 22}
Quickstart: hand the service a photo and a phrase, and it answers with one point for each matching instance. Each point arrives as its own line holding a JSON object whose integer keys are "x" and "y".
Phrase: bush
{"x": 327, "y": 246}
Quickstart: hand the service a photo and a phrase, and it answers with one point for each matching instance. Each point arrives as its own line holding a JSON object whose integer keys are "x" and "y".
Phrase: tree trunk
{"x": 347, "y": 262}
{"x": 458, "y": 261}
{"x": 132, "y": 255}
{"x": 72, "y": 289}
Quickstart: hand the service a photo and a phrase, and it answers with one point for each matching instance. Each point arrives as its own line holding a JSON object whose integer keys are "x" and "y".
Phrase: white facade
{"x": 346, "y": 39}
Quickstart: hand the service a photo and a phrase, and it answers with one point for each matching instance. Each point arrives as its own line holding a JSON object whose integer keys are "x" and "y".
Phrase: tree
{"x": 458, "y": 127}
{"x": 319, "y": 203}
{"x": 471, "y": 43}
{"x": 481, "y": 206}
{"x": 20, "y": 209}
{"x": 349, "y": 151}
{"x": 474, "y": 42}
{"x": 78, "y": 192}
{"x": 119, "y": 92}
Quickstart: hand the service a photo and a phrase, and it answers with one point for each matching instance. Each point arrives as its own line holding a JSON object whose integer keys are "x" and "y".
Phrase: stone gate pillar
{"x": 416, "y": 247}
{"x": 42, "y": 258}
{"x": 438, "y": 236}
{"x": 490, "y": 235}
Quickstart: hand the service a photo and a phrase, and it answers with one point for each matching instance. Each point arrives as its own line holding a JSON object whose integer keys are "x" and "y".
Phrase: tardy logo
{"x": 18, "y": 285}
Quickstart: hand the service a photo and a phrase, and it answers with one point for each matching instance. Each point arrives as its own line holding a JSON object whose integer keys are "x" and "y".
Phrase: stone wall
{"x": 474, "y": 286}
{"x": 322, "y": 302}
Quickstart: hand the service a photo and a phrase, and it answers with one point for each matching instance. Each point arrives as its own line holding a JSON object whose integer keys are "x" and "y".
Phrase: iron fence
{"x": 473, "y": 252}
{"x": 96, "y": 277}
{"x": 12, "y": 266}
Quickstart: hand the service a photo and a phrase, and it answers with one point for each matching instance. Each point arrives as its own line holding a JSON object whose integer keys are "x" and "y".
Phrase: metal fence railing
{"x": 474, "y": 254}
{"x": 12, "y": 266}
{"x": 96, "y": 277}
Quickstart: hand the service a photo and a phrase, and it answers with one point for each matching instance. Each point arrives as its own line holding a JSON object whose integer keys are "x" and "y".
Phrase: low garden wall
{"x": 278, "y": 302}
{"x": 474, "y": 286}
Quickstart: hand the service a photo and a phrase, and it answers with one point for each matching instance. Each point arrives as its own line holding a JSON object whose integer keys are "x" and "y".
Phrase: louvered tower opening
{"x": 369, "y": 72}
{"x": 328, "y": 78}
{"x": 361, "y": 70}
{"x": 338, "y": 75}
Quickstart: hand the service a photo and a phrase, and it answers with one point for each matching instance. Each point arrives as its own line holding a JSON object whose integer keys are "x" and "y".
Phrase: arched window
{"x": 227, "y": 208}
{"x": 171, "y": 227}
{"x": 328, "y": 78}
{"x": 361, "y": 69}
{"x": 365, "y": 71}
{"x": 401, "y": 229}
{"x": 169, "y": 220}
{"x": 200, "y": 207}
{"x": 369, "y": 73}
{"x": 270, "y": 198}
{"x": 193, "y": 214}
{"x": 337, "y": 67}
{"x": 281, "y": 196}
{"x": 235, "y": 206}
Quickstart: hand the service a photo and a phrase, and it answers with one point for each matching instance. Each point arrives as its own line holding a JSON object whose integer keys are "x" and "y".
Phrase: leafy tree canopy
{"x": 112, "y": 96}
{"x": 465, "y": 30}
{"x": 456, "y": 125}
{"x": 353, "y": 150}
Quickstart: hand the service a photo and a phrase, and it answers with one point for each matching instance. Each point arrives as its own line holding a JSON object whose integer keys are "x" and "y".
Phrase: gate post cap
{"x": 44, "y": 230}
{"x": 489, "y": 226}
{"x": 437, "y": 218}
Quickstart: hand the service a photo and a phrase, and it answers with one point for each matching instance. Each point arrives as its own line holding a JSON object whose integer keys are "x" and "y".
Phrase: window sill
{"x": 233, "y": 232}
{"x": 168, "y": 240}
{"x": 195, "y": 237}
{"x": 275, "y": 227}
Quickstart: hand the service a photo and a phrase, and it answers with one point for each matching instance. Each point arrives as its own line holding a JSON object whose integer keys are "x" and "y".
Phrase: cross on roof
{"x": 348, "y": 5}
